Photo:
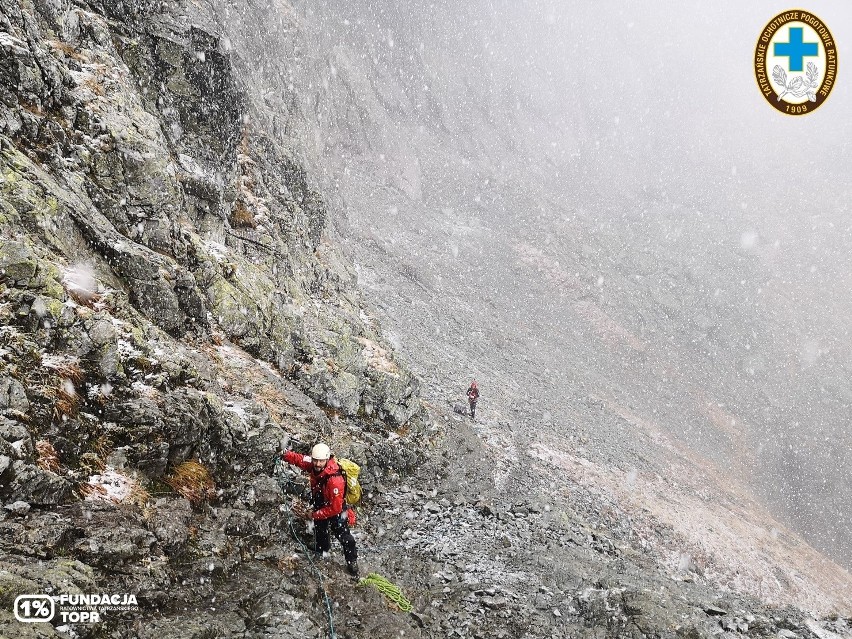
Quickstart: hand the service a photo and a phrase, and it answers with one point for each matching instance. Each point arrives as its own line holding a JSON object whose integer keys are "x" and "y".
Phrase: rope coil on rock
{"x": 285, "y": 481}
{"x": 390, "y": 590}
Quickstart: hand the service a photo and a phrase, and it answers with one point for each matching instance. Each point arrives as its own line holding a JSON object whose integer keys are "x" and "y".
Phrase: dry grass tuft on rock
{"x": 242, "y": 217}
{"x": 47, "y": 457}
{"x": 67, "y": 368}
{"x": 66, "y": 400}
{"x": 193, "y": 481}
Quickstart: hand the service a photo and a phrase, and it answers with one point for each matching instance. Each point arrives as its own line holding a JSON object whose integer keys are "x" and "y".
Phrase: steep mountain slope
{"x": 712, "y": 307}
{"x": 184, "y": 188}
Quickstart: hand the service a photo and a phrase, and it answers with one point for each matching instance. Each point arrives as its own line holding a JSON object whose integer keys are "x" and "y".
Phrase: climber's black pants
{"x": 340, "y": 528}
{"x": 472, "y": 403}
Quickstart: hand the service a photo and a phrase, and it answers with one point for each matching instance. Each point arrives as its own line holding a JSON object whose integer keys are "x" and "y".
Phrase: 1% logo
{"x": 34, "y": 608}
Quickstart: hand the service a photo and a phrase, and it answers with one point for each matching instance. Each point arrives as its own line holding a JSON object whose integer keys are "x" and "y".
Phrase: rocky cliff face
{"x": 171, "y": 292}
{"x": 175, "y": 304}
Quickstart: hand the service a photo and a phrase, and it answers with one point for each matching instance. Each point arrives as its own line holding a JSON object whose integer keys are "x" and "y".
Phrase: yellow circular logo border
{"x": 764, "y": 82}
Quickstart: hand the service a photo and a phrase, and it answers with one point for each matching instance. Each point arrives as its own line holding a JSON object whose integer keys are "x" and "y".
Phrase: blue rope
{"x": 284, "y": 482}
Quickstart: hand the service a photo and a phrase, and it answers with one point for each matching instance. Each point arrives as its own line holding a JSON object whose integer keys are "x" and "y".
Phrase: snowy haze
{"x": 576, "y": 202}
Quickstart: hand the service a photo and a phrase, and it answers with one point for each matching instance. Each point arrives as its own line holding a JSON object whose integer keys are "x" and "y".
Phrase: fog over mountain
{"x": 230, "y": 228}
{"x": 542, "y": 168}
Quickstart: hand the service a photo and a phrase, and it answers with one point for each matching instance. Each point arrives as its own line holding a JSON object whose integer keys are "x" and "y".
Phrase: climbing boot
{"x": 352, "y": 568}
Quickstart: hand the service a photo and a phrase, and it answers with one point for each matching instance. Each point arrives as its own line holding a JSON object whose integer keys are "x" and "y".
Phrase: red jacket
{"x": 327, "y": 484}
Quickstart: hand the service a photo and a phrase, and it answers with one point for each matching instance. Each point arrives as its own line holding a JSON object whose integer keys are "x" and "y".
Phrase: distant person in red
{"x": 327, "y": 492}
{"x": 472, "y": 398}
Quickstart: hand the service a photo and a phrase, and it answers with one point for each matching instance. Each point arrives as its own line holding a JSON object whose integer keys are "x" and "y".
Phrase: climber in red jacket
{"x": 327, "y": 492}
{"x": 473, "y": 397}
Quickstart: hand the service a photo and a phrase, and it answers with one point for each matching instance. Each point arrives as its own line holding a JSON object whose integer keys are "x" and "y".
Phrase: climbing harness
{"x": 284, "y": 481}
{"x": 388, "y": 589}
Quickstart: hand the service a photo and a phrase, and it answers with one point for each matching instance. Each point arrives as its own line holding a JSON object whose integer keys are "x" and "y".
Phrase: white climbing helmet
{"x": 320, "y": 451}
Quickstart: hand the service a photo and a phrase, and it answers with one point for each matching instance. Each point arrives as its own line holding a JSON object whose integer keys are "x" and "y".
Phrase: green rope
{"x": 283, "y": 481}
{"x": 388, "y": 589}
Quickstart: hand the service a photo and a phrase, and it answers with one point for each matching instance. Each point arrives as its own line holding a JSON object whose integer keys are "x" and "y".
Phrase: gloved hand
{"x": 284, "y": 444}
{"x": 302, "y": 511}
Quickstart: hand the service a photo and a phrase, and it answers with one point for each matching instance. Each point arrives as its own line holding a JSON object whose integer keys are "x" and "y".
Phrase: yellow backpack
{"x": 350, "y": 471}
